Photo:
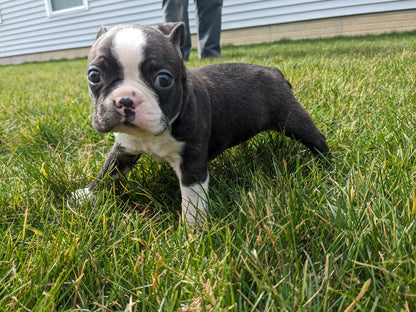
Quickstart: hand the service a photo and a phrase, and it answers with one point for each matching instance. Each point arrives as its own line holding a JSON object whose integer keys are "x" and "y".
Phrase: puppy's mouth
{"x": 128, "y": 121}
{"x": 128, "y": 118}
{"x": 129, "y": 114}
{"x": 129, "y": 124}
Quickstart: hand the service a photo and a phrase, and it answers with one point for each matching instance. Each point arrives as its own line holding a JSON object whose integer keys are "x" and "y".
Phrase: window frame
{"x": 51, "y": 13}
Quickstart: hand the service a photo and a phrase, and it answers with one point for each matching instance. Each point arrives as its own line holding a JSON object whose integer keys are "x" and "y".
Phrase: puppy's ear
{"x": 176, "y": 33}
{"x": 102, "y": 30}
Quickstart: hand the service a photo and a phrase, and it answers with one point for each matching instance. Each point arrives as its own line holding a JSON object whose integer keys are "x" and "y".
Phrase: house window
{"x": 57, "y": 7}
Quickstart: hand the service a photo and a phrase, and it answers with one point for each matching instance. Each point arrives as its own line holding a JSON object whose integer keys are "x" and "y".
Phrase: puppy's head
{"x": 136, "y": 77}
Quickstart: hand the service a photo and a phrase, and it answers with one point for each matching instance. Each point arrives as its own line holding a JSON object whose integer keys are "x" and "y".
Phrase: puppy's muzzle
{"x": 124, "y": 101}
{"x": 126, "y": 106}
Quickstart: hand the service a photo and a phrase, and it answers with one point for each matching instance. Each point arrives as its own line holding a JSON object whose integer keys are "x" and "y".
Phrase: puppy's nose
{"x": 126, "y": 102}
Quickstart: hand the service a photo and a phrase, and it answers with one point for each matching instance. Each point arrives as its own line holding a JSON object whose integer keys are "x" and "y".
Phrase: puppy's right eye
{"x": 94, "y": 76}
{"x": 163, "y": 80}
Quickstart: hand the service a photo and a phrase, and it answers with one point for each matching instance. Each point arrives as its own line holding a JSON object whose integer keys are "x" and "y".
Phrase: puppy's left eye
{"x": 94, "y": 76}
{"x": 163, "y": 81}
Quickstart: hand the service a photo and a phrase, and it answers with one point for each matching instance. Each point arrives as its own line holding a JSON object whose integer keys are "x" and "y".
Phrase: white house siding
{"x": 249, "y": 13}
{"x": 25, "y": 27}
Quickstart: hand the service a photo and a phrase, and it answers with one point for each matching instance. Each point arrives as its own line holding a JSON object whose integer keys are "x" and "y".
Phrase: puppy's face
{"x": 135, "y": 77}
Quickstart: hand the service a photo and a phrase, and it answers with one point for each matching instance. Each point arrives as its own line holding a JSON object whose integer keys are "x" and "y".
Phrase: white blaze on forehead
{"x": 128, "y": 47}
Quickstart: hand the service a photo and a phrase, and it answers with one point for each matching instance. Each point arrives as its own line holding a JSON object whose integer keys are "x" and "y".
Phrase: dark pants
{"x": 208, "y": 21}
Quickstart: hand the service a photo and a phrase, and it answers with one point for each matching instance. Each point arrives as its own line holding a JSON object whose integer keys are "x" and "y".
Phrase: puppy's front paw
{"x": 81, "y": 195}
{"x": 77, "y": 197}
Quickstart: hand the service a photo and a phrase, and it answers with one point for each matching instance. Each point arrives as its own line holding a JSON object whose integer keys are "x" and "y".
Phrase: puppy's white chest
{"x": 163, "y": 147}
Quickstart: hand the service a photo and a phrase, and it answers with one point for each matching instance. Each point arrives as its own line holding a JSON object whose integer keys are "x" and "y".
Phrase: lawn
{"x": 285, "y": 231}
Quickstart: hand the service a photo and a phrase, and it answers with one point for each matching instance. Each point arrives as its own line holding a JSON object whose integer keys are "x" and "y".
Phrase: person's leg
{"x": 177, "y": 11}
{"x": 208, "y": 19}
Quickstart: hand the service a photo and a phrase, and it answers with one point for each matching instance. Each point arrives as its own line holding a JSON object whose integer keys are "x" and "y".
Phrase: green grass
{"x": 284, "y": 231}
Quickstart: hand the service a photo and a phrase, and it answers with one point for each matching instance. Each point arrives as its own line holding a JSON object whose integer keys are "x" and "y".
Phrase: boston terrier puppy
{"x": 143, "y": 92}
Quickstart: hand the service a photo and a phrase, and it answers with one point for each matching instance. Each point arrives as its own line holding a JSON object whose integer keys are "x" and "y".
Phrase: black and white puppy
{"x": 143, "y": 92}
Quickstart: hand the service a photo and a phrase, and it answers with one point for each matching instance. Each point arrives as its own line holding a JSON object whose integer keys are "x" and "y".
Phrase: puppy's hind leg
{"x": 295, "y": 122}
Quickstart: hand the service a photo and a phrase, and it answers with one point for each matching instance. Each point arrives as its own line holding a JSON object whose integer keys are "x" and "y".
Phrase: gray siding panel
{"x": 25, "y": 27}
{"x": 246, "y": 13}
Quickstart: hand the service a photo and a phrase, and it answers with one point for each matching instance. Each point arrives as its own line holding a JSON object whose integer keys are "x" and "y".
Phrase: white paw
{"x": 81, "y": 195}
{"x": 77, "y": 197}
